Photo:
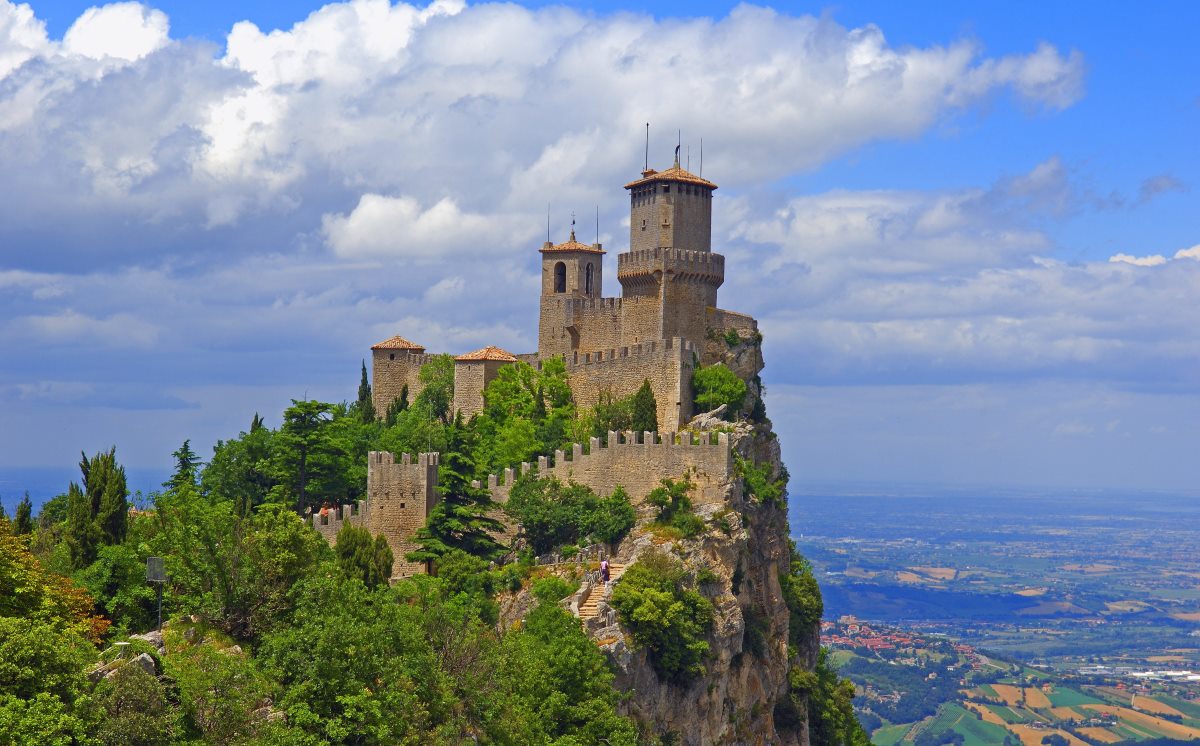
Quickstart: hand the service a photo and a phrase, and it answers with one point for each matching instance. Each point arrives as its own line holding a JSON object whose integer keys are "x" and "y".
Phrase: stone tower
{"x": 670, "y": 250}
{"x": 571, "y": 272}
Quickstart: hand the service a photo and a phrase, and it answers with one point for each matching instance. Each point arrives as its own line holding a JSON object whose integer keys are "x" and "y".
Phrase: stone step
{"x": 590, "y": 606}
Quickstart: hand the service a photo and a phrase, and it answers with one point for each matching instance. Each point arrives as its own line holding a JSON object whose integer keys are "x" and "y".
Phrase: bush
{"x": 758, "y": 484}
{"x": 553, "y": 514}
{"x": 675, "y": 507}
{"x": 715, "y": 385}
{"x": 802, "y": 596}
{"x": 668, "y": 619}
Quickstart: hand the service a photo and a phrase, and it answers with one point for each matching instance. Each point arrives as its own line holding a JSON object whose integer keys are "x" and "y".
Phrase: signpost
{"x": 156, "y": 573}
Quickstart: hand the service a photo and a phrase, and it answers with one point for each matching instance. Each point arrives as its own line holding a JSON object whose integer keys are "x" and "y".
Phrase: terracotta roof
{"x": 397, "y": 343}
{"x": 572, "y": 245}
{"x": 674, "y": 173}
{"x": 491, "y": 352}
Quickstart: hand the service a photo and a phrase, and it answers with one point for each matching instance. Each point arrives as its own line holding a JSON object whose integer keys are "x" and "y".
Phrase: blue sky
{"x": 966, "y": 229}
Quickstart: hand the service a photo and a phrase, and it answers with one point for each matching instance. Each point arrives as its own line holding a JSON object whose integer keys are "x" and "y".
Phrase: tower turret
{"x": 572, "y": 272}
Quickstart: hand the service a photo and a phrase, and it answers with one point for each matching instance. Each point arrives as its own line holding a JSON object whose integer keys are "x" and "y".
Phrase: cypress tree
{"x": 366, "y": 405}
{"x": 23, "y": 524}
{"x": 398, "y": 405}
{"x": 256, "y": 424}
{"x": 186, "y": 463}
{"x": 645, "y": 409}
{"x": 82, "y": 535}
{"x": 104, "y": 485}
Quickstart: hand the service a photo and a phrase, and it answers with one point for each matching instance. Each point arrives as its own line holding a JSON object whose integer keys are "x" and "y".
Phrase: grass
{"x": 1064, "y": 697}
{"x": 890, "y": 735}
{"x": 975, "y": 732}
{"x": 1007, "y": 714}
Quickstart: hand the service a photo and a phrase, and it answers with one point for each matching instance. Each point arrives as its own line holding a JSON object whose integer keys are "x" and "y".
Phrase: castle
{"x": 656, "y": 331}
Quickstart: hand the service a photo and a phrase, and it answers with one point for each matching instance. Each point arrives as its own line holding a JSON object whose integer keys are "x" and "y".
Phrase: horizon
{"x": 968, "y": 233}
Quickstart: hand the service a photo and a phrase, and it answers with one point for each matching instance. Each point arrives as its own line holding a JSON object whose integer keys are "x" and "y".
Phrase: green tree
{"x": 360, "y": 556}
{"x": 117, "y": 580}
{"x": 461, "y": 520}
{"x": 106, "y": 491}
{"x": 665, "y": 616}
{"x": 187, "y": 467}
{"x": 437, "y": 394}
{"x": 644, "y": 409}
{"x": 23, "y": 522}
{"x": 82, "y": 534}
{"x": 304, "y": 459}
{"x": 553, "y": 514}
{"x": 240, "y": 469}
{"x": 828, "y": 699}
{"x": 365, "y": 403}
{"x": 219, "y": 690}
{"x": 135, "y": 709}
{"x": 715, "y": 385}
{"x": 398, "y": 405}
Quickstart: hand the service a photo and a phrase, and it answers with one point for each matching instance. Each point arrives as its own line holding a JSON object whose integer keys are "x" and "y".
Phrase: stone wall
{"x": 391, "y": 371}
{"x": 638, "y": 467}
{"x": 620, "y": 372}
{"x": 399, "y": 498}
{"x": 471, "y": 377}
{"x": 670, "y": 214}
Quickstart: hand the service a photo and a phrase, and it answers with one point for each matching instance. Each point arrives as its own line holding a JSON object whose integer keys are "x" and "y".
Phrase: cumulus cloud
{"x": 1192, "y": 253}
{"x": 398, "y": 227}
{"x": 22, "y": 36}
{"x": 1152, "y": 260}
{"x": 125, "y": 31}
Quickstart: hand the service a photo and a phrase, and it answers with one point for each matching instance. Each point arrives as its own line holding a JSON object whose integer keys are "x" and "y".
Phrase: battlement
{"x": 700, "y": 264}
{"x": 637, "y": 467}
{"x": 329, "y": 521}
{"x": 661, "y": 348}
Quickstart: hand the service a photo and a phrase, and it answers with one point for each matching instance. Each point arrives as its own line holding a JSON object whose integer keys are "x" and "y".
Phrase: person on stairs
{"x": 604, "y": 574}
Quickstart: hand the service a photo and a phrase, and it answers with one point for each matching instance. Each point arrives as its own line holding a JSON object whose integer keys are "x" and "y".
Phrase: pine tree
{"x": 256, "y": 424}
{"x": 398, "y": 405}
{"x": 361, "y": 557}
{"x": 23, "y": 523}
{"x": 82, "y": 535}
{"x": 461, "y": 520}
{"x": 104, "y": 485}
{"x": 645, "y": 409}
{"x": 366, "y": 405}
{"x": 186, "y": 467}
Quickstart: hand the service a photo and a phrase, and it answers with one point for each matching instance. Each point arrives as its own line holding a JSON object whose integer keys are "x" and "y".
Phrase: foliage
{"x": 365, "y": 405}
{"x": 31, "y": 593}
{"x": 231, "y": 570}
{"x": 219, "y": 689}
{"x": 645, "y": 409}
{"x": 240, "y": 469}
{"x": 304, "y": 459}
{"x": 460, "y": 520}
{"x": 437, "y": 396}
{"x": 23, "y": 520}
{"x": 675, "y": 507}
{"x": 715, "y": 385}
{"x": 758, "y": 484}
{"x": 828, "y": 699}
{"x": 398, "y": 405}
{"x": 732, "y": 338}
{"x": 526, "y": 412}
{"x": 803, "y": 598}
{"x": 187, "y": 465}
{"x": 97, "y": 512}
{"x": 665, "y": 616}
{"x": 135, "y": 710}
{"x": 551, "y": 590}
{"x": 44, "y": 720}
{"x": 117, "y": 580}
{"x": 40, "y": 656}
{"x": 360, "y": 556}
{"x": 553, "y": 514}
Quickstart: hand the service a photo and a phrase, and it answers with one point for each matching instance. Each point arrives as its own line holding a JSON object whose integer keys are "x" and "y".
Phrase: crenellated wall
{"x": 399, "y": 498}
{"x": 619, "y": 372}
{"x": 638, "y": 467}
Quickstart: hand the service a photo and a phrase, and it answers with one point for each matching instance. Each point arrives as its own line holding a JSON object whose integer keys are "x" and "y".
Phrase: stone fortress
{"x": 658, "y": 330}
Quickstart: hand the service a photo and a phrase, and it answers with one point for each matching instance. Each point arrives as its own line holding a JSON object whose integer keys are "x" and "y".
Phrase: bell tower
{"x": 572, "y": 274}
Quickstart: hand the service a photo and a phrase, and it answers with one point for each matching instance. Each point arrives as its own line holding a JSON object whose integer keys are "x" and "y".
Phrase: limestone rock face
{"x": 745, "y": 548}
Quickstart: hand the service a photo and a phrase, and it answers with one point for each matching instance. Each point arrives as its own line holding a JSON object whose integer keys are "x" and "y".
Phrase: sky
{"x": 969, "y": 231}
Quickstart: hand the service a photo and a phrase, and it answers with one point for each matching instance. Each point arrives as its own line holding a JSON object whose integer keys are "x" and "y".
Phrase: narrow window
{"x": 666, "y": 188}
{"x": 560, "y": 278}
{"x": 392, "y": 356}
{"x": 587, "y": 279}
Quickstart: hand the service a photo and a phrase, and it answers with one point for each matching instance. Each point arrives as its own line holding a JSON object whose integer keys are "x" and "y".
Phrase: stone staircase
{"x": 589, "y": 607}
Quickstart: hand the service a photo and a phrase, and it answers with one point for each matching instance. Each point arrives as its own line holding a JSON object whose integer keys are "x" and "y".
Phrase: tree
{"x": 360, "y": 556}
{"x": 398, "y": 405}
{"x": 82, "y": 535}
{"x": 304, "y": 460}
{"x": 23, "y": 522}
{"x": 187, "y": 465}
{"x": 461, "y": 519}
{"x": 106, "y": 491}
{"x": 553, "y": 514}
{"x": 645, "y": 409}
{"x": 240, "y": 469}
{"x": 803, "y": 598}
{"x": 135, "y": 710}
{"x": 28, "y": 591}
{"x": 666, "y": 617}
{"x": 715, "y": 385}
{"x": 366, "y": 405}
{"x": 437, "y": 394}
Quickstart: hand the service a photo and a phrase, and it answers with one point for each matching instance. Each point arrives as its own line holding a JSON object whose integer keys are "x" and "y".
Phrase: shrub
{"x": 553, "y": 514}
{"x": 675, "y": 507}
{"x": 668, "y": 619}
{"x": 715, "y": 385}
{"x": 757, "y": 482}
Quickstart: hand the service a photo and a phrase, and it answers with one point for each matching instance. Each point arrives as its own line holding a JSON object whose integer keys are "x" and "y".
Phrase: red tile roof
{"x": 491, "y": 352}
{"x": 674, "y": 173}
{"x": 572, "y": 245}
{"x": 397, "y": 343}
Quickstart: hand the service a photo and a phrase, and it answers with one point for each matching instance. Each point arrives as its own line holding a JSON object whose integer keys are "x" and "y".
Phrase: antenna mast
{"x": 547, "y": 222}
{"x": 701, "y": 157}
{"x": 597, "y": 225}
{"x": 647, "y": 166}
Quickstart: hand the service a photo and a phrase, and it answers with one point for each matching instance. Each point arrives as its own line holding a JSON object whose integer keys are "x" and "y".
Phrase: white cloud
{"x": 399, "y": 228}
{"x": 1153, "y": 260}
{"x": 22, "y": 36}
{"x": 126, "y": 31}
{"x": 1192, "y": 253}
{"x": 69, "y": 326}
